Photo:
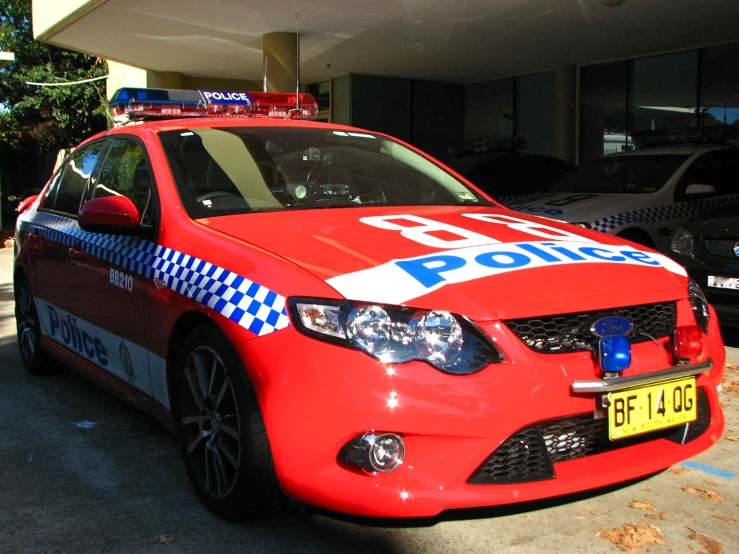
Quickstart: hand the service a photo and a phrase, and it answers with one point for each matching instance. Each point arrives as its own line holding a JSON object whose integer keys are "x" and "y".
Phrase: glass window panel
{"x": 664, "y": 92}
{"x": 488, "y": 110}
{"x": 720, "y": 85}
{"x": 75, "y": 176}
{"x": 535, "y": 112}
{"x": 126, "y": 173}
{"x": 603, "y": 110}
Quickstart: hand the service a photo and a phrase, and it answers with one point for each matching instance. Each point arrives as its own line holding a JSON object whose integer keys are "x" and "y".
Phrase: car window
{"x": 637, "y": 174}
{"x": 125, "y": 172}
{"x": 221, "y": 171}
{"x": 50, "y": 196}
{"x": 719, "y": 168}
{"x": 74, "y": 177}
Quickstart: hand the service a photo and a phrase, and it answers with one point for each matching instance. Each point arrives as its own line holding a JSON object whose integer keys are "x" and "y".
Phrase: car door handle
{"x": 77, "y": 254}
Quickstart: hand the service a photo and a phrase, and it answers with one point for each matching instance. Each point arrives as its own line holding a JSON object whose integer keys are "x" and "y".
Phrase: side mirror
{"x": 699, "y": 189}
{"x": 25, "y": 204}
{"x": 113, "y": 215}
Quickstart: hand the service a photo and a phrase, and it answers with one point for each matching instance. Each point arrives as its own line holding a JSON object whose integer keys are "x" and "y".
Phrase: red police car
{"x": 327, "y": 314}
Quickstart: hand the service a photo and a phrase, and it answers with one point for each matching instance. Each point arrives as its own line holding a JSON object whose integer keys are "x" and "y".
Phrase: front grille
{"x": 520, "y": 459}
{"x": 557, "y": 334}
{"x": 729, "y": 308}
{"x": 723, "y": 248}
{"x": 530, "y": 454}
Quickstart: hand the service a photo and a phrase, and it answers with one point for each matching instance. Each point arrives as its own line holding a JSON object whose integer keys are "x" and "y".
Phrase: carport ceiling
{"x": 446, "y": 40}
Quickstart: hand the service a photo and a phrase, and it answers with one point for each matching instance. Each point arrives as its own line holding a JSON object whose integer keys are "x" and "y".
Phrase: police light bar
{"x": 702, "y": 133}
{"x": 488, "y": 146}
{"x": 139, "y": 103}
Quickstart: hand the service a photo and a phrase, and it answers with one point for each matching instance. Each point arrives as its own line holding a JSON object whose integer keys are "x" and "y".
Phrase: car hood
{"x": 482, "y": 262}
{"x": 575, "y": 207}
{"x": 722, "y": 223}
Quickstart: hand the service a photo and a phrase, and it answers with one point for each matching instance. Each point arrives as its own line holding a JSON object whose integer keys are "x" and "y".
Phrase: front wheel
{"x": 35, "y": 360}
{"x": 223, "y": 439}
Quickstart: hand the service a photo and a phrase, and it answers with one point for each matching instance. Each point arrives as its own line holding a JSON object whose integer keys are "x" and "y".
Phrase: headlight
{"x": 700, "y": 305}
{"x": 682, "y": 242}
{"x": 394, "y": 334}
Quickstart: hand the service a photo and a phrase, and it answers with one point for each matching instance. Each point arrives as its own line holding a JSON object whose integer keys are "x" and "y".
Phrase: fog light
{"x": 688, "y": 342}
{"x": 372, "y": 452}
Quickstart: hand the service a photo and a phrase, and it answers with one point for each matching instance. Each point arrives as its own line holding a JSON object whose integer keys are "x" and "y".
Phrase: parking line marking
{"x": 709, "y": 469}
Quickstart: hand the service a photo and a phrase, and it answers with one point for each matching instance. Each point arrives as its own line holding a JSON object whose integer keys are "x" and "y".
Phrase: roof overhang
{"x": 443, "y": 40}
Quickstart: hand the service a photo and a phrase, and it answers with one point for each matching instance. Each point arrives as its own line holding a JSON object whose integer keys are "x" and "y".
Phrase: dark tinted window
{"x": 126, "y": 173}
{"x": 719, "y": 168}
{"x": 74, "y": 178}
{"x": 638, "y": 174}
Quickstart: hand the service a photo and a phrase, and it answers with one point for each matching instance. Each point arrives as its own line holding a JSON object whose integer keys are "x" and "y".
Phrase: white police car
{"x": 642, "y": 195}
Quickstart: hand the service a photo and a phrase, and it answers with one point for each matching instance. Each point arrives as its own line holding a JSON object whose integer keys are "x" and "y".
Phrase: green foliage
{"x": 45, "y": 118}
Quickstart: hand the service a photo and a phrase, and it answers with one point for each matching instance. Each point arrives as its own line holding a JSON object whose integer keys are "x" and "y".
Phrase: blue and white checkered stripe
{"x": 681, "y": 210}
{"x": 251, "y": 305}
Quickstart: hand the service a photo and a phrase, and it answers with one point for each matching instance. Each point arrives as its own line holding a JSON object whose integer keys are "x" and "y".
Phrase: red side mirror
{"x": 26, "y": 203}
{"x": 109, "y": 214}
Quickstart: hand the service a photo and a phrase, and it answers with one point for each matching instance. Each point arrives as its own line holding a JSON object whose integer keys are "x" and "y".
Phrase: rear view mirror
{"x": 115, "y": 215}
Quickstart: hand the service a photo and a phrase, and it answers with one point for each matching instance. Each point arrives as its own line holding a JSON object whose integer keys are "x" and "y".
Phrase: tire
{"x": 221, "y": 431}
{"x": 35, "y": 360}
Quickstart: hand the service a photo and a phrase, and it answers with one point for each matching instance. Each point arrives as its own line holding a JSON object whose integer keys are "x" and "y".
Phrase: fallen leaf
{"x": 729, "y": 519}
{"x": 730, "y": 386}
{"x": 578, "y": 517}
{"x": 679, "y": 470}
{"x": 646, "y": 490}
{"x": 710, "y": 483}
{"x": 712, "y": 546}
{"x": 705, "y": 494}
{"x": 648, "y": 505}
{"x": 732, "y": 366}
{"x": 639, "y": 505}
{"x": 732, "y": 438}
{"x": 166, "y": 539}
{"x": 632, "y": 536}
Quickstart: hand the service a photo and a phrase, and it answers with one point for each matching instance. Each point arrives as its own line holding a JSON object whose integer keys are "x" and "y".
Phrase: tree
{"x": 46, "y": 119}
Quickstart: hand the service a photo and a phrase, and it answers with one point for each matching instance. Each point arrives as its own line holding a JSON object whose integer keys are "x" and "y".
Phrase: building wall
{"x": 122, "y": 75}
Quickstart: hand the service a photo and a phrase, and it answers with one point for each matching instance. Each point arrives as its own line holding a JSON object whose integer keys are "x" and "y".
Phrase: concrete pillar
{"x": 564, "y": 117}
{"x": 279, "y": 55}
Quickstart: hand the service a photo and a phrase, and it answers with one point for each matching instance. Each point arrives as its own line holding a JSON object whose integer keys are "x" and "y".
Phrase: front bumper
{"x": 315, "y": 397}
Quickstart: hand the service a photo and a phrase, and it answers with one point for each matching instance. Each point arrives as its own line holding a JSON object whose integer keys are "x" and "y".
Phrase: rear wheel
{"x": 34, "y": 359}
{"x": 223, "y": 439}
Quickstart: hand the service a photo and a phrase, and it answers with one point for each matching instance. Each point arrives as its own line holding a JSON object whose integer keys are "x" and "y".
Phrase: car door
{"x": 53, "y": 237}
{"x": 114, "y": 295}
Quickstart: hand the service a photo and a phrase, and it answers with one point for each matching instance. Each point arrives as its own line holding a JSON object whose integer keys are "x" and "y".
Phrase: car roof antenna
{"x": 297, "y": 61}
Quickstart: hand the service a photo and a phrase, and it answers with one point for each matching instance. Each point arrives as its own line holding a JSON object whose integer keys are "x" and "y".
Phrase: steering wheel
{"x": 214, "y": 194}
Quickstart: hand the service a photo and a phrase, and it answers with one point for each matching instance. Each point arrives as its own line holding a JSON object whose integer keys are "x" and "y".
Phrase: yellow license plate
{"x": 644, "y": 409}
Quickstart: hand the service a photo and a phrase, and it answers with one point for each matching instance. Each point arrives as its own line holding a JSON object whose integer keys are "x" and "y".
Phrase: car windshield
{"x": 635, "y": 174}
{"x": 229, "y": 170}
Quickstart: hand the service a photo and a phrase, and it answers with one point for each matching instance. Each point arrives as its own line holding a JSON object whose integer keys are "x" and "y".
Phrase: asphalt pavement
{"x": 83, "y": 472}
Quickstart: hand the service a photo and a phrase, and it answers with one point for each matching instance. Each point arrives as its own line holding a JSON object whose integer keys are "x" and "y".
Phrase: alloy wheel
{"x": 210, "y": 422}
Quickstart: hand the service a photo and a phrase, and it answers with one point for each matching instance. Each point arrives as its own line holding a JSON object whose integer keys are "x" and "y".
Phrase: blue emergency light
{"x": 140, "y": 103}
{"x": 615, "y": 353}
